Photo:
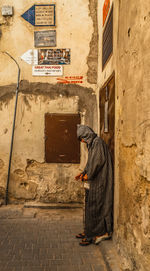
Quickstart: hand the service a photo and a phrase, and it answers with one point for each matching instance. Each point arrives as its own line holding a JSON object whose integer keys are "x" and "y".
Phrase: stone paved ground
{"x": 44, "y": 240}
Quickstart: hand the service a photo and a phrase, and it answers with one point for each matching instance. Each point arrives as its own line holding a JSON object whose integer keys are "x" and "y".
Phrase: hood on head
{"x": 86, "y": 133}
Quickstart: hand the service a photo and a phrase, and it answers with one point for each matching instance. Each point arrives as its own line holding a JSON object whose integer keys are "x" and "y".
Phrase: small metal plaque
{"x": 7, "y": 11}
{"x": 53, "y": 56}
{"x": 44, "y": 15}
{"x": 45, "y": 38}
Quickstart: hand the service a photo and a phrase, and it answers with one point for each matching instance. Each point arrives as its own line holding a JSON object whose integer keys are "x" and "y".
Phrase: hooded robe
{"x": 99, "y": 197}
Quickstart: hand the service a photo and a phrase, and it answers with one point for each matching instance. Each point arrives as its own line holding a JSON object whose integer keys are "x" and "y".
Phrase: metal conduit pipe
{"x": 13, "y": 128}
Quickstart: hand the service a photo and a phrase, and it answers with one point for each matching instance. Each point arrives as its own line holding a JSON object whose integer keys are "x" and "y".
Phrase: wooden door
{"x": 107, "y": 114}
{"x": 61, "y": 143}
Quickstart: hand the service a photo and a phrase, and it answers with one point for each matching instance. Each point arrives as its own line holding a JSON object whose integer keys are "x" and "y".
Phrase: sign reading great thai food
{"x": 40, "y": 15}
{"x": 53, "y": 56}
{"x": 47, "y": 70}
{"x": 45, "y": 38}
{"x": 106, "y": 7}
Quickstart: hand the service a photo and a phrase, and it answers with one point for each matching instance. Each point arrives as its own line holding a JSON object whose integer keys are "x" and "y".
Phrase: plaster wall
{"x": 131, "y": 63}
{"x": 18, "y": 37}
{"x": 31, "y": 178}
{"x": 132, "y": 223}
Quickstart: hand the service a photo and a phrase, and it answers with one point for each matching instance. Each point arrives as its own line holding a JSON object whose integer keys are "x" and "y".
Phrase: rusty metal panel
{"x": 45, "y": 38}
{"x": 61, "y": 143}
{"x": 108, "y": 136}
{"x": 107, "y": 47}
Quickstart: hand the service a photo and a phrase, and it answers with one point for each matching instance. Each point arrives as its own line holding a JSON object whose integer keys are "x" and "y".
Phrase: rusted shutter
{"x": 108, "y": 136}
{"x": 61, "y": 143}
{"x": 107, "y": 39}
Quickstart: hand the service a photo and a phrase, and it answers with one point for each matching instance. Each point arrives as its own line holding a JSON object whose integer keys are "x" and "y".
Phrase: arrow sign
{"x": 30, "y": 57}
{"x": 40, "y": 15}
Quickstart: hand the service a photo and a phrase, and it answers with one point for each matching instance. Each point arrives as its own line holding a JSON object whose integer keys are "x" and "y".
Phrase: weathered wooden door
{"x": 107, "y": 114}
{"x": 61, "y": 143}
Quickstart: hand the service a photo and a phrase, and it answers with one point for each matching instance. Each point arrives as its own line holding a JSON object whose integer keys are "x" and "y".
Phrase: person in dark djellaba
{"x": 98, "y": 179}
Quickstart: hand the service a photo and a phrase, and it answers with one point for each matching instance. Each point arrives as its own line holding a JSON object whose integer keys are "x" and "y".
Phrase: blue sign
{"x": 40, "y": 15}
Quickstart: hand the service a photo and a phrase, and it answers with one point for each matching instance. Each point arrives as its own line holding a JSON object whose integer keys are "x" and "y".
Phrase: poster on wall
{"x": 47, "y": 70}
{"x": 45, "y": 38}
{"x": 53, "y": 56}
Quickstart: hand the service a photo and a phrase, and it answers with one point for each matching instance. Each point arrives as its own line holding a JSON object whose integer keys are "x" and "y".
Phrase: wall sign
{"x": 70, "y": 80}
{"x": 47, "y": 70}
{"x": 45, "y": 38}
{"x": 40, "y": 15}
{"x": 106, "y": 8}
{"x": 30, "y": 57}
{"x": 53, "y": 56}
{"x": 7, "y": 11}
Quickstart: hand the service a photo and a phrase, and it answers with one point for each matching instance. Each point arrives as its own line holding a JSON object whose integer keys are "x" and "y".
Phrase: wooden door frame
{"x": 104, "y": 85}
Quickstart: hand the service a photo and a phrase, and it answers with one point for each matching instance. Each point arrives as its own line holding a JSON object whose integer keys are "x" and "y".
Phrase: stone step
{"x": 52, "y": 205}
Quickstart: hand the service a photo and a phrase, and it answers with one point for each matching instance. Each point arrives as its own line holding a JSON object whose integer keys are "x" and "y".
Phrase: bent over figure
{"x": 99, "y": 195}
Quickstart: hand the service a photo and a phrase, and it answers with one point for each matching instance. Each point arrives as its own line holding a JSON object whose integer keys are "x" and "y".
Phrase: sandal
{"x": 80, "y": 235}
{"x": 98, "y": 239}
{"x": 85, "y": 242}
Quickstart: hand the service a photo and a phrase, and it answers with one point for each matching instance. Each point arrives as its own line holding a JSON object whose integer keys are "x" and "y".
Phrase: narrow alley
{"x": 75, "y": 131}
{"x": 41, "y": 240}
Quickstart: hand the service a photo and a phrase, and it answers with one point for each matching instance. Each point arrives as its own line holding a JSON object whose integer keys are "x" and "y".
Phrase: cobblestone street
{"x": 35, "y": 239}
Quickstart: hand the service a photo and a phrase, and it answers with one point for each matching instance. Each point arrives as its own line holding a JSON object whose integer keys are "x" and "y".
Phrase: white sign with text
{"x": 47, "y": 70}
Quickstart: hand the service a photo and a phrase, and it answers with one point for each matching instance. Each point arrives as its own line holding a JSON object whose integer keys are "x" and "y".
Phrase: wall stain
{"x": 87, "y": 97}
{"x": 92, "y": 59}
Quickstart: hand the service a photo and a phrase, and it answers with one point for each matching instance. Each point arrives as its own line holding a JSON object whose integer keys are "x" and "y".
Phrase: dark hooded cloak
{"x": 99, "y": 197}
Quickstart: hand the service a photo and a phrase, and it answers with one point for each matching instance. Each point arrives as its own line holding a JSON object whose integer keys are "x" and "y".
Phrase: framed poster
{"x": 53, "y": 56}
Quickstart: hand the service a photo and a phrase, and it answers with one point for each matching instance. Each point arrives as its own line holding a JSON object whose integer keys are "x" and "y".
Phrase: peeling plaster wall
{"x": 31, "y": 178}
{"x": 92, "y": 59}
{"x": 131, "y": 63}
{"x": 132, "y": 229}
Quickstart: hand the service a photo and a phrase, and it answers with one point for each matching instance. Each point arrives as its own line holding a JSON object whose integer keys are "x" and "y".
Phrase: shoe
{"x": 100, "y": 238}
{"x": 80, "y": 235}
{"x": 85, "y": 242}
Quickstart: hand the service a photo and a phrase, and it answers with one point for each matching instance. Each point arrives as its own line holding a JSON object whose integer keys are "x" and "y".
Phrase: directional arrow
{"x": 30, "y": 57}
{"x": 29, "y": 15}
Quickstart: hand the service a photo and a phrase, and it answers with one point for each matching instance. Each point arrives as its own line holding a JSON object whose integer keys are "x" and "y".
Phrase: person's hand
{"x": 79, "y": 176}
{"x": 85, "y": 177}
